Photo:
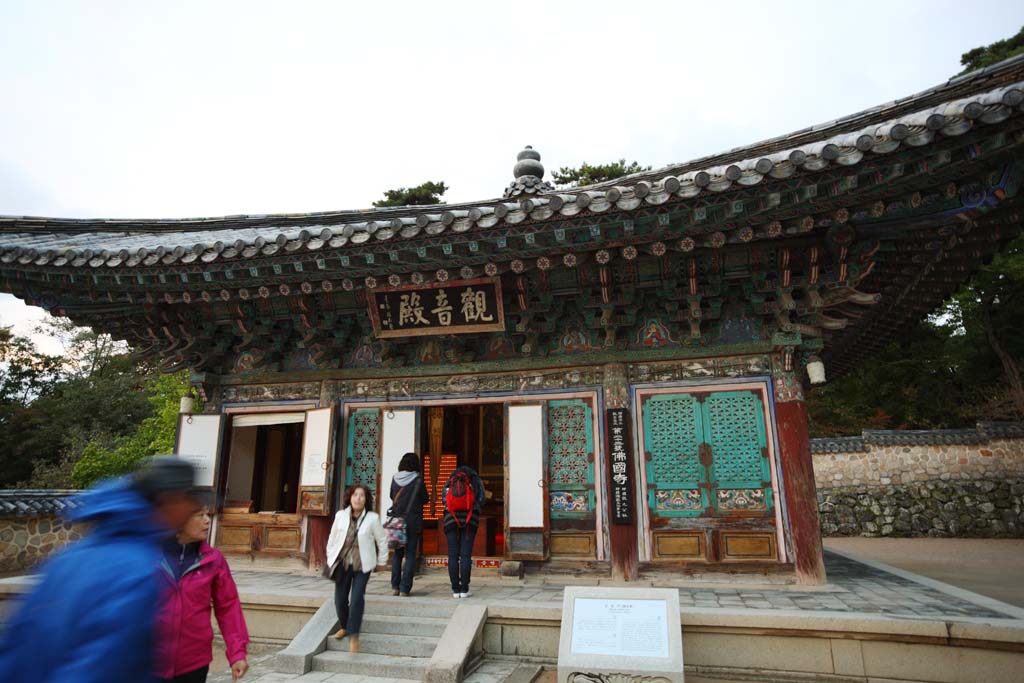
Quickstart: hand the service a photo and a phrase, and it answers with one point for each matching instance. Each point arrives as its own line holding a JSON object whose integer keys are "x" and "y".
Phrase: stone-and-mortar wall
{"x": 25, "y": 542}
{"x": 920, "y": 489}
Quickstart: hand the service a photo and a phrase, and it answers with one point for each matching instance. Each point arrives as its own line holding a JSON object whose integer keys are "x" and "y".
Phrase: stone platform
{"x": 870, "y": 624}
{"x": 854, "y": 587}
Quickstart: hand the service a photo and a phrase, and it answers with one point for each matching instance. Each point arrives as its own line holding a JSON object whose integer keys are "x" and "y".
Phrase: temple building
{"x": 624, "y": 364}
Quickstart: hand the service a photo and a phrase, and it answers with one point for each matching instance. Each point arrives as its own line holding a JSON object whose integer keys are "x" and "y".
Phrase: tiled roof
{"x": 839, "y": 444}
{"x": 36, "y": 503}
{"x": 982, "y": 433}
{"x": 952, "y": 109}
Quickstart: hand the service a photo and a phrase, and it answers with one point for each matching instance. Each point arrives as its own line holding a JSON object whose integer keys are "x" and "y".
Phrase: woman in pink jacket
{"x": 196, "y": 578}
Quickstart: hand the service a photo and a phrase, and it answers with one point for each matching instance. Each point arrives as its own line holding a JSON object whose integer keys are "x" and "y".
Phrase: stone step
{"x": 388, "y": 644}
{"x": 410, "y": 607}
{"x": 365, "y": 664}
{"x": 402, "y": 625}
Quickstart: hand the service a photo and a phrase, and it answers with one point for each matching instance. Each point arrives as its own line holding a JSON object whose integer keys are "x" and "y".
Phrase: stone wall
{"x": 928, "y": 508}
{"x": 32, "y": 526}
{"x": 883, "y": 465}
{"x": 965, "y": 482}
{"x": 25, "y": 542}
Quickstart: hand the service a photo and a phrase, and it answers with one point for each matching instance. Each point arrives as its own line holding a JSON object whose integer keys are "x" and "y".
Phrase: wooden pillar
{"x": 319, "y": 530}
{"x": 621, "y": 537}
{"x": 798, "y": 479}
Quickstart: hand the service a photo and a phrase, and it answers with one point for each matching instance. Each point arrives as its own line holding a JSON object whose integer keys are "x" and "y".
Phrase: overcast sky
{"x": 177, "y": 109}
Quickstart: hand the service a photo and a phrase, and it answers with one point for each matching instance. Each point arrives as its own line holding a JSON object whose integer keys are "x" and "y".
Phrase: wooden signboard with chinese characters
{"x": 621, "y": 479}
{"x": 459, "y": 307}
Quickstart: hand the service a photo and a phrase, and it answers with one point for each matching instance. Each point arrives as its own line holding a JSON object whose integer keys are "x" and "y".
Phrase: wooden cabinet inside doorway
{"x": 270, "y": 533}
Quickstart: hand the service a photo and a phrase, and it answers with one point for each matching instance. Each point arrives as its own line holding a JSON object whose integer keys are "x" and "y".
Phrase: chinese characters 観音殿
{"x": 454, "y": 308}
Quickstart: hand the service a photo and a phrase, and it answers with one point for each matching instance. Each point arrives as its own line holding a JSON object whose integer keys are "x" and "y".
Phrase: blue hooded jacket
{"x": 90, "y": 618}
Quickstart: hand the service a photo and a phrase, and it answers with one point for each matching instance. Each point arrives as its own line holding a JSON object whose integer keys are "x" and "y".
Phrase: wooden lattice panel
{"x": 364, "y": 434}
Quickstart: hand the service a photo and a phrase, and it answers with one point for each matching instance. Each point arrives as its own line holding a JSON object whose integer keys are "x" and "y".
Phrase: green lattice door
{"x": 706, "y": 454}
{"x": 740, "y": 473}
{"x": 570, "y": 459}
{"x": 363, "y": 453}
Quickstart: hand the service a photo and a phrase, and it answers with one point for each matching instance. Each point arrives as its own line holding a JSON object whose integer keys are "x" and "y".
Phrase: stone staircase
{"x": 398, "y": 638}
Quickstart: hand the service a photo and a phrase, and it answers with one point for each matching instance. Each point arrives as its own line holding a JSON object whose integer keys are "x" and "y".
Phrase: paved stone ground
{"x": 488, "y": 672}
{"x": 852, "y": 587}
{"x": 989, "y": 566}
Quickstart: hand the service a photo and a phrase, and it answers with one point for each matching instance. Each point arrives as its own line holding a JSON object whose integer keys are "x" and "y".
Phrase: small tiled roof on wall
{"x": 37, "y": 503}
{"x": 981, "y": 433}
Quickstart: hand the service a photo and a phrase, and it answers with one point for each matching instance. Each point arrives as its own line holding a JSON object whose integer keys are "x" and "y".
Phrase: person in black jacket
{"x": 408, "y": 496}
{"x": 460, "y": 527}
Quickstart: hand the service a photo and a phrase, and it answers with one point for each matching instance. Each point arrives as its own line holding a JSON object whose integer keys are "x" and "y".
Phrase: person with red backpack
{"x": 463, "y": 503}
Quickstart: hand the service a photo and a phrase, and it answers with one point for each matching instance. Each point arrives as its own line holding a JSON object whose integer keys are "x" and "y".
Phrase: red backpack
{"x": 460, "y": 495}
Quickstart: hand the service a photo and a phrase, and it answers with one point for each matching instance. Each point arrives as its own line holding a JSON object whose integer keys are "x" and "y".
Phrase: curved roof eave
{"x": 987, "y": 96}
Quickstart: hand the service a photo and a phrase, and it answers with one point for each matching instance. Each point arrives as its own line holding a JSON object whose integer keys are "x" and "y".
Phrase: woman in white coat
{"x": 356, "y": 546}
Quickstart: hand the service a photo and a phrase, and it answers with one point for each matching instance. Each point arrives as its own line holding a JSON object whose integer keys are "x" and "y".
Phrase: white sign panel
{"x": 625, "y": 628}
{"x": 199, "y": 443}
{"x": 526, "y": 466}
{"x": 316, "y": 446}
{"x": 616, "y": 633}
{"x": 399, "y": 438}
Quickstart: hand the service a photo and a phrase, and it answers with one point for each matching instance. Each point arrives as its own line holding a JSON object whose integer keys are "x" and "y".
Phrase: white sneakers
{"x": 462, "y": 595}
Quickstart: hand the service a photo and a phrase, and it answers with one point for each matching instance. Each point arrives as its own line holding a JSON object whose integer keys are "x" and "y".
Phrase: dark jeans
{"x": 196, "y": 676}
{"x": 350, "y": 610}
{"x": 401, "y": 577}
{"x": 460, "y": 556}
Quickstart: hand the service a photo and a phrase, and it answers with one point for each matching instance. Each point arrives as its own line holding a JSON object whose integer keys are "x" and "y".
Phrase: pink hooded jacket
{"x": 184, "y": 634}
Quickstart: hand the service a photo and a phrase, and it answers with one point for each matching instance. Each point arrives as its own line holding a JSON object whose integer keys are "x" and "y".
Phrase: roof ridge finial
{"x": 529, "y": 175}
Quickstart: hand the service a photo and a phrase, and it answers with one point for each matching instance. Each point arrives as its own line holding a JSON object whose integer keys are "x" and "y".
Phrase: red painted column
{"x": 800, "y": 491}
{"x": 622, "y": 541}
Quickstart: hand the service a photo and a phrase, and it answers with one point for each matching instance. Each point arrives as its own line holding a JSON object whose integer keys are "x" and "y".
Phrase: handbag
{"x": 394, "y": 526}
{"x": 395, "y": 529}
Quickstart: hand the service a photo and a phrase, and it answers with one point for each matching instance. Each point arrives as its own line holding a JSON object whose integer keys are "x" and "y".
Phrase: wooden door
{"x": 570, "y": 474}
{"x": 363, "y": 451}
{"x": 709, "y": 476}
{"x": 526, "y": 497}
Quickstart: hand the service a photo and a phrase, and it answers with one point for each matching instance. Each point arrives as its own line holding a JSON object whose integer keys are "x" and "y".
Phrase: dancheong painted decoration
{"x": 687, "y": 303}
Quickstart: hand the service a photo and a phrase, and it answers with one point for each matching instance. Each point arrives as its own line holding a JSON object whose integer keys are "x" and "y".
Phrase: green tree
{"x": 154, "y": 435}
{"x": 85, "y": 352}
{"x": 588, "y": 174}
{"x": 913, "y": 383}
{"x": 960, "y": 365}
{"x": 987, "y": 55}
{"x": 25, "y": 376}
{"x": 24, "y": 373}
{"x": 985, "y": 318}
{"x": 427, "y": 194}
{"x": 51, "y": 406}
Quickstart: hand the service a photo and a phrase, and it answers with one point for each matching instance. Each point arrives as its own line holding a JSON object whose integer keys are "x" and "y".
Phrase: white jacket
{"x": 370, "y": 533}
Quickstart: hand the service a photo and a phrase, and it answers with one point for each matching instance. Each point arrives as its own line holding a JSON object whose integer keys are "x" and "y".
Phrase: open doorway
{"x": 263, "y": 467}
{"x": 465, "y": 435}
{"x": 261, "y": 486}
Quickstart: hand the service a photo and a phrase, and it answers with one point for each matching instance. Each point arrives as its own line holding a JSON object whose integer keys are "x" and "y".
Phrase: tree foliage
{"x": 959, "y": 366}
{"x": 426, "y": 194}
{"x": 986, "y": 315}
{"x": 913, "y": 383}
{"x": 153, "y": 436}
{"x": 589, "y": 174}
{"x": 987, "y": 55}
{"x": 55, "y": 409}
{"x": 24, "y": 373}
